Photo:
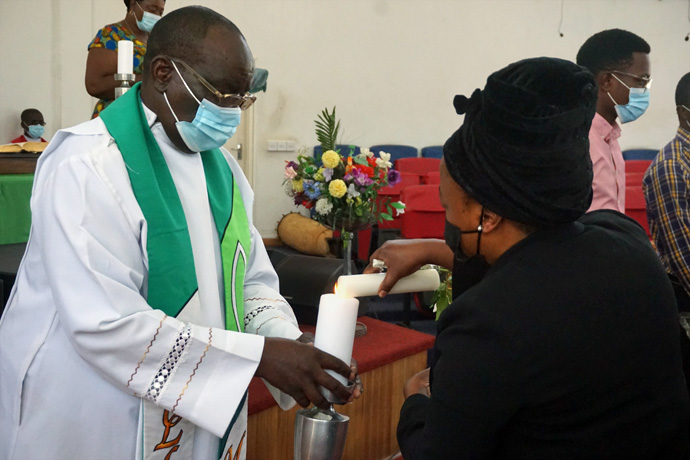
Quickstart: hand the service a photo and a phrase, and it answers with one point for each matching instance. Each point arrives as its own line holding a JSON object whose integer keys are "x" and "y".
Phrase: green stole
{"x": 172, "y": 280}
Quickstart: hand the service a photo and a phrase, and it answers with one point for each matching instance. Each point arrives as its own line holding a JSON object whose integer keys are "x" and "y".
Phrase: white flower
{"x": 288, "y": 188}
{"x": 399, "y": 211}
{"x": 384, "y": 160}
{"x": 351, "y": 192}
{"x": 323, "y": 206}
{"x": 366, "y": 152}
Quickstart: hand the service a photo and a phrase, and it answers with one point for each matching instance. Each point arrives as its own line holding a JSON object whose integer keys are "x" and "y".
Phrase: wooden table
{"x": 18, "y": 163}
{"x": 387, "y": 356}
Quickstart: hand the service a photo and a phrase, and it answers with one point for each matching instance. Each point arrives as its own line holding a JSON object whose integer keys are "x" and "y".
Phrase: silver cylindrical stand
{"x": 320, "y": 434}
{"x": 125, "y": 79}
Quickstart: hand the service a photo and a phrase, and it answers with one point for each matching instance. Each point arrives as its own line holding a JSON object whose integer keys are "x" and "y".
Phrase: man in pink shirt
{"x": 619, "y": 61}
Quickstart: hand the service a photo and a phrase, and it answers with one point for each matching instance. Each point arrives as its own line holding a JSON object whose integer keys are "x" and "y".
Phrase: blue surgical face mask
{"x": 36, "y": 131}
{"x": 638, "y": 101}
{"x": 148, "y": 20}
{"x": 212, "y": 126}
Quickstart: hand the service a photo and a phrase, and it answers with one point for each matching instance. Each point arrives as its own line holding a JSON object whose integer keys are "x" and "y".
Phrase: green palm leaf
{"x": 327, "y": 127}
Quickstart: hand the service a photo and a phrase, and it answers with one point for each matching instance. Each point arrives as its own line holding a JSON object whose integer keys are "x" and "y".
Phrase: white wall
{"x": 391, "y": 67}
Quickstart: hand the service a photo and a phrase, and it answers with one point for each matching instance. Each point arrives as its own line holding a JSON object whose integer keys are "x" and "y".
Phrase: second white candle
{"x": 125, "y": 57}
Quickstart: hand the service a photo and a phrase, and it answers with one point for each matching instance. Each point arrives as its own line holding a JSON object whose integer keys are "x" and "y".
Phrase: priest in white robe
{"x": 145, "y": 300}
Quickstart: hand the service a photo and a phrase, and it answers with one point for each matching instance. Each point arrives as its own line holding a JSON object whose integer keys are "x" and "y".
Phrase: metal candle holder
{"x": 125, "y": 79}
{"x": 321, "y": 434}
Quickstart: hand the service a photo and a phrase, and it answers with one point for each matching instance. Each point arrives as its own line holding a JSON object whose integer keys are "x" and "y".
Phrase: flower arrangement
{"x": 341, "y": 189}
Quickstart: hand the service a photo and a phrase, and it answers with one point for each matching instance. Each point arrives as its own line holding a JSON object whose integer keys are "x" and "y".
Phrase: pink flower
{"x": 290, "y": 173}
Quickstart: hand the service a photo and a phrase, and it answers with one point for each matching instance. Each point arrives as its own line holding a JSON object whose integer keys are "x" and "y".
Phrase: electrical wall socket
{"x": 282, "y": 146}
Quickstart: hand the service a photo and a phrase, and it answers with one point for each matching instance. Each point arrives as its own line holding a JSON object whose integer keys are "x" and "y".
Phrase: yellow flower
{"x": 337, "y": 188}
{"x": 297, "y": 186}
{"x": 330, "y": 159}
{"x": 319, "y": 175}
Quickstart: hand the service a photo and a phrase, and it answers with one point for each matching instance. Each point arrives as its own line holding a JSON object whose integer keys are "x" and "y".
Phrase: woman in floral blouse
{"x": 101, "y": 63}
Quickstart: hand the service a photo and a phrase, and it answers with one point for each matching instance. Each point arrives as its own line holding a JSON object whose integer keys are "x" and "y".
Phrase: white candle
{"x": 125, "y": 57}
{"x": 335, "y": 331}
{"x": 368, "y": 285}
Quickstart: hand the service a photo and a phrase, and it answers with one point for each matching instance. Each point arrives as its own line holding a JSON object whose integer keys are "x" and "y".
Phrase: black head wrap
{"x": 523, "y": 149}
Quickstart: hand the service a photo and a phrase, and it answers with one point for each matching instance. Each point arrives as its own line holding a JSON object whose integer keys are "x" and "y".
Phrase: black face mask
{"x": 467, "y": 270}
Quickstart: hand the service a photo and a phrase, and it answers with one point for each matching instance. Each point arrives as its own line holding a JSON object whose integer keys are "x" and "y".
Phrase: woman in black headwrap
{"x": 563, "y": 340}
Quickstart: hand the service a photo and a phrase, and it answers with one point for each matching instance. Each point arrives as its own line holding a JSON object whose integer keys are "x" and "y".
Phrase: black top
{"x": 567, "y": 349}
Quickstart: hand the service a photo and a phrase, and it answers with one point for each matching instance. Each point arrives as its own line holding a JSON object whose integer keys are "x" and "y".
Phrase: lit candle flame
{"x": 335, "y": 290}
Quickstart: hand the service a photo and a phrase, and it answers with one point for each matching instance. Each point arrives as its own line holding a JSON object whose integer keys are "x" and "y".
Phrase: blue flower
{"x": 311, "y": 189}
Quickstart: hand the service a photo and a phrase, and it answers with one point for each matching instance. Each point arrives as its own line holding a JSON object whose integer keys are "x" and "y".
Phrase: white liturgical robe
{"x": 79, "y": 345}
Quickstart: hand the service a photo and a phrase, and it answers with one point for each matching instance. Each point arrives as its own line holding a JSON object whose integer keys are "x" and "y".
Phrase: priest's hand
{"x": 358, "y": 387}
{"x": 404, "y": 257}
{"x": 418, "y": 384}
{"x": 298, "y": 369}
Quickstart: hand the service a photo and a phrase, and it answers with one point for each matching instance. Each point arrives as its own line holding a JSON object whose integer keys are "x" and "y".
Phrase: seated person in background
{"x": 666, "y": 187}
{"x": 101, "y": 62}
{"x": 567, "y": 344}
{"x": 146, "y": 302}
{"x": 33, "y": 125}
{"x": 619, "y": 60}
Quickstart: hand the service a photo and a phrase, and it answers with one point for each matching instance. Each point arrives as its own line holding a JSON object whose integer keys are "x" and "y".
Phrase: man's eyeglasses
{"x": 642, "y": 82}
{"x": 243, "y": 101}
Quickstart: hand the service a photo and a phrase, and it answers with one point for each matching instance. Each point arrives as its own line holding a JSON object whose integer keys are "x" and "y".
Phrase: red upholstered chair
{"x": 637, "y": 165}
{"x": 365, "y": 245}
{"x": 431, "y": 178}
{"x": 634, "y": 178}
{"x": 406, "y": 179}
{"x": 419, "y": 166}
{"x": 635, "y": 206}
{"x": 424, "y": 216}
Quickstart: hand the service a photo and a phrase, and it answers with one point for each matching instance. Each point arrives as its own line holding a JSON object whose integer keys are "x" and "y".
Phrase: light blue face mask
{"x": 36, "y": 131}
{"x": 638, "y": 101}
{"x": 212, "y": 126}
{"x": 148, "y": 20}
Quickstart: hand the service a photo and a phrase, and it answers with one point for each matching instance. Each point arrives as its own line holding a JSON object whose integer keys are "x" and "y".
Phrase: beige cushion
{"x": 304, "y": 234}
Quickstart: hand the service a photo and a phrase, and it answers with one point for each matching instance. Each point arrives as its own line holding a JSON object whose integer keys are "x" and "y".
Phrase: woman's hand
{"x": 418, "y": 384}
{"x": 404, "y": 257}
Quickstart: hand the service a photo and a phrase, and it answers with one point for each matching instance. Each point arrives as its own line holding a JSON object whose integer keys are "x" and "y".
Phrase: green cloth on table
{"x": 15, "y": 210}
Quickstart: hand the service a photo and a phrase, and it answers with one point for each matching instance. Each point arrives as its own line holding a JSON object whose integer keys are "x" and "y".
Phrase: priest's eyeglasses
{"x": 243, "y": 101}
{"x": 642, "y": 82}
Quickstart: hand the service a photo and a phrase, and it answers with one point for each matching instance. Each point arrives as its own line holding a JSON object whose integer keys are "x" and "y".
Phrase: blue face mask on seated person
{"x": 212, "y": 126}
{"x": 638, "y": 101}
{"x": 148, "y": 20}
{"x": 36, "y": 131}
